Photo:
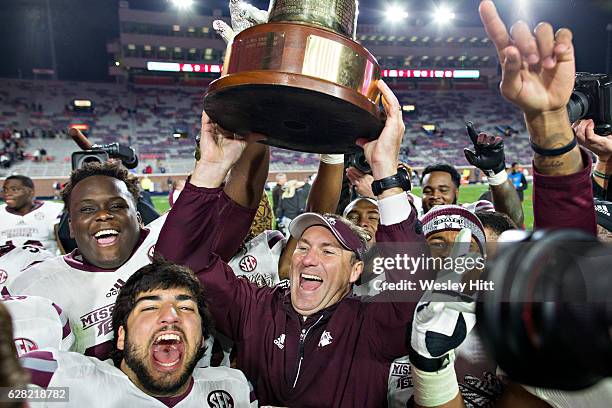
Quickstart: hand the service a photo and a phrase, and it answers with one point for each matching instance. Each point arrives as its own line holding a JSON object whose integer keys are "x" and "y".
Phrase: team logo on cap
{"x": 220, "y": 399}
{"x": 248, "y": 263}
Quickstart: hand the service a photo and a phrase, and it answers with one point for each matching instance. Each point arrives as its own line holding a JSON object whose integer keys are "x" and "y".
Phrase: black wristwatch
{"x": 400, "y": 179}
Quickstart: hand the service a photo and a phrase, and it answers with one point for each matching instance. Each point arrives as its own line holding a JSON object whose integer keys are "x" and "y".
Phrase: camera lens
{"x": 578, "y": 106}
{"x": 547, "y": 323}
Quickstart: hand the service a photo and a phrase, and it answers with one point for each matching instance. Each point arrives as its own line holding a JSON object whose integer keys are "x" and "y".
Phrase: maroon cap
{"x": 343, "y": 233}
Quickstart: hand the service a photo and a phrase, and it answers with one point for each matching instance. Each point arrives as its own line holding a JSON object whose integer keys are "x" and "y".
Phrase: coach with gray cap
{"x": 314, "y": 344}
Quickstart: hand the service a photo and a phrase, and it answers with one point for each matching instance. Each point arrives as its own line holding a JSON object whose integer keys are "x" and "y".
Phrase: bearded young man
{"x": 159, "y": 324}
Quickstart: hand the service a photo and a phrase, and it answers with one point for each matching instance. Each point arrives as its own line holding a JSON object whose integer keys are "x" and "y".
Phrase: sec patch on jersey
{"x": 248, "y": 263}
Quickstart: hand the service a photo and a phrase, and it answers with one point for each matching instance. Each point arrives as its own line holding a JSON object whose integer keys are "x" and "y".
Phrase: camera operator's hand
{"x": 219, "y": 151}
{"x": 383, "y": 153}
{"x": 243, "y": 16}
{"x": 601, "y": 146}
{"x": 537, "y": 71}
{"x": 488, "y": 153}
{"x": 361, "y": 181}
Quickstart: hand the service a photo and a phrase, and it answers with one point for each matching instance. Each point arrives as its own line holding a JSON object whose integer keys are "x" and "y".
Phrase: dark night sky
{"x": 82, "y": 28}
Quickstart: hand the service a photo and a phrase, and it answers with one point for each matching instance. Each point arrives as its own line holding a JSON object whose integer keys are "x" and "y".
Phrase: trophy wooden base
{"x": 306, "y": 88}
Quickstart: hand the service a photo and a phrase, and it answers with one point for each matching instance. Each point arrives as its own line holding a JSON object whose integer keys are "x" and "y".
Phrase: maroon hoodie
{"x": 339, "y": 357}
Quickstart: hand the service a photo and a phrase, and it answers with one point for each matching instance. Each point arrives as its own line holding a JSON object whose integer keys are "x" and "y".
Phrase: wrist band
{"x": 498, "y": 179}
{"x": 435, "y": 388}
{"x": 554, "y": 152}
{"x": 601, "y": 175}
{"x": 332, "y": 158}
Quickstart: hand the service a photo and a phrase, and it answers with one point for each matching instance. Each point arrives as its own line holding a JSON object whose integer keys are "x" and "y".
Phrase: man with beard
{"x": 24, "y": 219}
{"x": 159, "y": 324}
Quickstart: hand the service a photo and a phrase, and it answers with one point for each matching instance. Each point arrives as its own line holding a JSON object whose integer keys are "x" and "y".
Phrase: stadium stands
{"x": 147, "y": 117}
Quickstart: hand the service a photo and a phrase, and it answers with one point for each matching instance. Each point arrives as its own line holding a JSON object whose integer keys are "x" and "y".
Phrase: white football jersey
{"x": 258, "y": 260}
{"x": 418, "y": 203}
{"x": 479, "y": 384}
{"x": 95, "y": 383}
{"x": 36, "y": 226}
{"x": 14, "y": 259}
{"x": 38, "y": 323}
{"x": 86, "y": 294}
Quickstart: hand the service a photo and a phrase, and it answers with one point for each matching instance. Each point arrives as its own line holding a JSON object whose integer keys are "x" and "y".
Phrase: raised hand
{"x": 383, "y": 153}
{"x": 362, "y": 182}
{"x": 488, "y": 153}
{"x": 219, "y": 150}
{"x": 537, "y": 69}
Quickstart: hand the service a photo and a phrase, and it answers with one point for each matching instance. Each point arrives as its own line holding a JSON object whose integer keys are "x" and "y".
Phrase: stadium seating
{"x": 147, "y": 117}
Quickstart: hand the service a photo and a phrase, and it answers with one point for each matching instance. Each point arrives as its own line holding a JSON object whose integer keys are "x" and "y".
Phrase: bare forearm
{"x": 506, "y": 200}
{"x": 516, "y": 396}
{"x": 325, "y": 191}
{"x": 323, "y": 198}
{"x": 209, "y": 175}
{"x": 246, "y": 180}
{"x": 552, "y": 130}
{"x": 604, "y": 167}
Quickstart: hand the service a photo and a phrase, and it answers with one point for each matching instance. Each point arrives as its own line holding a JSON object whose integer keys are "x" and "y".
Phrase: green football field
{"x": 467, "y": 194}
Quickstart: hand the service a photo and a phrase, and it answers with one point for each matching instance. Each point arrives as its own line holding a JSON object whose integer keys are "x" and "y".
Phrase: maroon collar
{"x": 36, "y": 206}
{"x": 326, "y": 313}
{"x": 77, "y": 261}
{"x": 172, "y": 401}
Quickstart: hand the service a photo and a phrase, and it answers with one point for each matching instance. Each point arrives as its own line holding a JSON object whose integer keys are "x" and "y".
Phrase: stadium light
{"x": 182, "y": 4}
{"x": 523, "y": 9}
{"x": 444, "y": 15}
{"x": 395, "y": 14}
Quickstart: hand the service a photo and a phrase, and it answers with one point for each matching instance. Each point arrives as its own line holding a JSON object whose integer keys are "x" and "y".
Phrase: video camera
{"x": 101, "y": 153}
{"x": 548, "y": 321}
{"x": 592, "y": 99}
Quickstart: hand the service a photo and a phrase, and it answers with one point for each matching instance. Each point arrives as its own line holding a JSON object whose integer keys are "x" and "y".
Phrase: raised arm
{"x": 244, "y": 186}
{"x": 538, "y": 76}
{"x": 189, "y": 235}
{"x": 488, "y": 156}
{"x": 323, "y": 198}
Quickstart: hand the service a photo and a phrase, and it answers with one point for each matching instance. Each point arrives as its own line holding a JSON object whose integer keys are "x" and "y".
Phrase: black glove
{"x": 488, "y": 153}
